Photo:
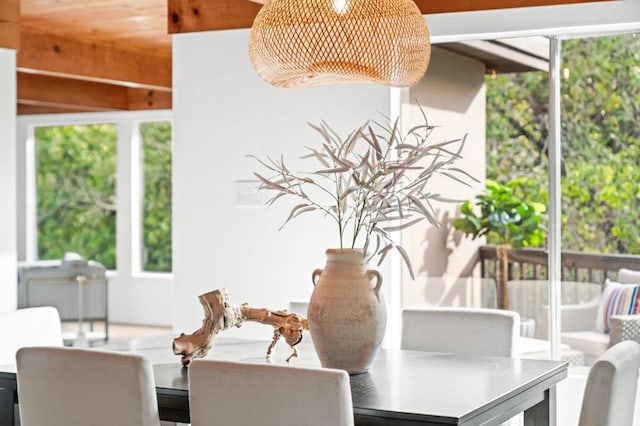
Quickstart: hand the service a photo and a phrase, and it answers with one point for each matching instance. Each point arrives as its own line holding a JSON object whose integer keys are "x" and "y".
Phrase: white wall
{"x": 224, "y": 111}
{"x": 452, "y": 95}
{"x": 8, "y": 274}
{"x": 134, "y": 297}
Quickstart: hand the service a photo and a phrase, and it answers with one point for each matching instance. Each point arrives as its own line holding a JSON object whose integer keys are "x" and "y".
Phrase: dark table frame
{"x": 402, "y": 387}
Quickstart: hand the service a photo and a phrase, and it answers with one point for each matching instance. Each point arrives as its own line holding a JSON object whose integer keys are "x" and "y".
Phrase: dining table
{"x": 402, "y": 387}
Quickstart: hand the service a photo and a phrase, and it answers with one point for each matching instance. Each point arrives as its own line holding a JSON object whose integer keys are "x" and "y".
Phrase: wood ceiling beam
{"x": 138, "y": 99}
{"x": 450, "y": 6}
{"x": 187, "y": 16}
{"x": 9, "y": 24}
{"x": 55, "y": 55}
{"x": 34, "y": 89}
{"x": 46, "y": 93}
{"x": 28, "y": 109}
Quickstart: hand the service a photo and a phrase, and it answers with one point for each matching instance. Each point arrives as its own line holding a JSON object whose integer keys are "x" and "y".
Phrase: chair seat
{"x": 592, "y": 343}
{"x": 536, "y": 348}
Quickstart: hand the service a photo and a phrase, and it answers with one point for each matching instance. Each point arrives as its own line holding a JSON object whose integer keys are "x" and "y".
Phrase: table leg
{"x": 544, "y": 412}
{"x": 6, "y": 407}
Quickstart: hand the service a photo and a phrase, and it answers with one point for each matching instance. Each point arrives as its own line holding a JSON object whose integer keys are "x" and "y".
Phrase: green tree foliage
{"x": 156, "y": 230}
{"x": 76, "y": 184}
{"x": 75, "y": 167}
{"x": 503, "y": 216}
{"x": 600, "y": 147}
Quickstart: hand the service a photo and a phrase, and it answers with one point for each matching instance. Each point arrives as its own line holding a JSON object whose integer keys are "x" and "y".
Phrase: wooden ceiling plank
{"x": 10, "y": 10}
{"x": 9, "y": 35}
{"x": 451, "y": 6}
{"x": 27, "y": 108}
{"x": 142, "y": 99}
{"x": 67, "y": 93}
{"x": 9, "y": 21}
{"x": 54, "y": 54}
{"x": 186, "y": 16}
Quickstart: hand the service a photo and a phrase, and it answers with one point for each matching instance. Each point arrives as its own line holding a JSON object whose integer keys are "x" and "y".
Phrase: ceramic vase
{"x": 347, "y": 312}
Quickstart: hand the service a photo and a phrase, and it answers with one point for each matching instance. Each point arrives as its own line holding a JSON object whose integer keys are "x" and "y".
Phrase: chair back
{"x": 299, "y": 307}
{"x": 79, "y": 387}
{"x": 609, "y": 398}
{"x": 465, "y": 331}
{"x": 232, "y": 393}
{"x": 28, "y": 327}
{"x": 628, "y": 276}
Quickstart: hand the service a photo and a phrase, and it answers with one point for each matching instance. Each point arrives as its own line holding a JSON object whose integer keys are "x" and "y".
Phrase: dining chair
{"x": 79, "y": 387}
{"x": 465, "y": 331}
{"x": 233, "y": 393}
{"x": 610, "y": 394}
{"x": 28, "y": 327}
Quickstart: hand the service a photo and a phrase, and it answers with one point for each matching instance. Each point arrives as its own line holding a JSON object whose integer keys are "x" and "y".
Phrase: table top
{"x": 407, "y": 385}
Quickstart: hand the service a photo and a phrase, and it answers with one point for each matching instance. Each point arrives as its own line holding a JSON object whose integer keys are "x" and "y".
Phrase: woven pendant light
{"x": 303, "y": 43}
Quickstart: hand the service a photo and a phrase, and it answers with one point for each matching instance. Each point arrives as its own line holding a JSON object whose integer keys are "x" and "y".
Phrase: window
{"x": 155, "y": 139}
{"x": 100, "y": 185}
{"x": 75, "y": 191}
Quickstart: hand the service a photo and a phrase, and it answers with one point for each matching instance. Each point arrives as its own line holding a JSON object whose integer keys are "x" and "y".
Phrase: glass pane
{"x": 599, "y": 181}
{"x": 156, "y": 216}
{"x": 75, "y": 184}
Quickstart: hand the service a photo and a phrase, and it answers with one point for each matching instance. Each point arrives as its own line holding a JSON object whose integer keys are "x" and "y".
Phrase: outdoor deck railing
{"x": 531, "y": 264}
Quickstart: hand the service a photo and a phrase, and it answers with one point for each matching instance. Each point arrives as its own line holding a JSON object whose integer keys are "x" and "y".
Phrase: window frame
{"x": 129, "y": 175}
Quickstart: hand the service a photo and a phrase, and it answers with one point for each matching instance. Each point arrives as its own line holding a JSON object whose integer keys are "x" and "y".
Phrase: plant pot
{"x": 347, "y": 313}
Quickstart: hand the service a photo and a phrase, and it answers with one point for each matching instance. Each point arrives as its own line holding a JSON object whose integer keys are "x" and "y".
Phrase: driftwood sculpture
{"x": 220, "y": 314}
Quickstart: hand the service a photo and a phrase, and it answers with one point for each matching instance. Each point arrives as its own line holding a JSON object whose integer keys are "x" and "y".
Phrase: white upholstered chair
{"x": 232, "y": 393}
{"x": 609, "y": 397}
{"x": 579, "y": 322}
{"x": 28, "y": 327}
{"x": 79, "y": 387}
{"x": 530, "y": 298}
{"x": 467, "y": 331}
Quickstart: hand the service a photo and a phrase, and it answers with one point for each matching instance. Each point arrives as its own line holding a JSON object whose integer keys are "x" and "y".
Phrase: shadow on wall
{"x": 436, "y": 254}
{"x": 439, "y": 244}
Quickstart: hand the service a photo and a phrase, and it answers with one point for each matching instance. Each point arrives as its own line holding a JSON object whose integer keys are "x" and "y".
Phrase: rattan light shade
{"x": 302, "y": 43}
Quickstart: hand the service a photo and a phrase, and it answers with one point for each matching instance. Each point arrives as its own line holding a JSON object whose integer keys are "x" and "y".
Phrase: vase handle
{"x": 315, "y": 277}
{"x": 373, "y": 273}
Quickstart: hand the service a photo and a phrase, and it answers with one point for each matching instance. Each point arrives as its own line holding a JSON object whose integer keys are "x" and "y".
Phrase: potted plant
{"x": 508, "y": 221}
{"x": 371, "y": 183}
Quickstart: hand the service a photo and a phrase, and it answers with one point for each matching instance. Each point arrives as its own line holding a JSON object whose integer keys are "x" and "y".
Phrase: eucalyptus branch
{"x": 375, "y": 181}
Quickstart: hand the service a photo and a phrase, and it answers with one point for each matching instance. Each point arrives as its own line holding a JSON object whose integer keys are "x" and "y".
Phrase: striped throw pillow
{"x": 617, "y": 299}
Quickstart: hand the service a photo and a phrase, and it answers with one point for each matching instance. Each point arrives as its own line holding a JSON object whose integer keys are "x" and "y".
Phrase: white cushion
{"x": 617, "y": 299}
{"x": 536, "y": 348}
{"x": 628, "y": 276}
{"x": 592, "y": 343}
